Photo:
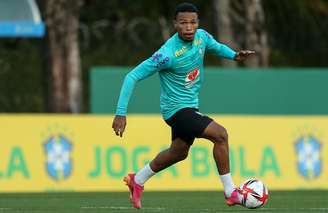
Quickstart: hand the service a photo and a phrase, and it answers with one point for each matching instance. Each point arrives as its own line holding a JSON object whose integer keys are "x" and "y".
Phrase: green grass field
{"x": 175, "y": 202}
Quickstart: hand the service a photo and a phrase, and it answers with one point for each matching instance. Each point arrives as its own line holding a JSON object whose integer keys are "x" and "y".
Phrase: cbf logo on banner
{"x": 309, "y": 162}
{"x": 58, "y": 154}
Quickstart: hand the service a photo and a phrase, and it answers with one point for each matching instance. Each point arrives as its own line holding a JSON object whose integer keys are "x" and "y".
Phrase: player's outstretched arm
{"x": 157, "y": 62}
{"x": 244, "y": 54}
{"x": 119, "y": 124}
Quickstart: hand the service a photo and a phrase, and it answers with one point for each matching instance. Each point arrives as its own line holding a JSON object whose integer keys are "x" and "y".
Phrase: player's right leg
{"x": 135, "y": 190}
{"x": 176, "y": 152}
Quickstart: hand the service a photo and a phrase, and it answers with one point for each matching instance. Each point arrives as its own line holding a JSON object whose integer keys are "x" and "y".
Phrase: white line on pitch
{"x": 121, "y": 207}
{"x": 206, "y": 210}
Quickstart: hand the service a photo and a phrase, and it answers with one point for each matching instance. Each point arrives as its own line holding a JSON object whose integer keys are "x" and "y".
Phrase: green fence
{"x": 224, "y": 91}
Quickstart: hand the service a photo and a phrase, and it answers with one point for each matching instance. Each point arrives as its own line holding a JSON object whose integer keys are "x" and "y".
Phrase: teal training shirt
{"x": 180, "y": 66}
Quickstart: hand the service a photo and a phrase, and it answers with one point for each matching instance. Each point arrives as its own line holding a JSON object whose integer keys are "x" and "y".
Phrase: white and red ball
{"x": 254, "y": 193}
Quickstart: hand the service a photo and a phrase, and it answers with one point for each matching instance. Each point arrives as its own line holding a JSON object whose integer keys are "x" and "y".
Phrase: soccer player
{"x": 179, "y": 64}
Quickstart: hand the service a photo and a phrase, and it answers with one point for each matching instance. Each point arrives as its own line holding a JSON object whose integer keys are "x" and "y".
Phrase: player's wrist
{"x": 237, "y": 56}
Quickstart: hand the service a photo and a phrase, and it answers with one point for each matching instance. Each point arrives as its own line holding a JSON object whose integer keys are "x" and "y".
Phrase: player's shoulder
{"x": 168, "y": 47}
{"x": 163, "y": 56}
{"x": 203, "y": 33}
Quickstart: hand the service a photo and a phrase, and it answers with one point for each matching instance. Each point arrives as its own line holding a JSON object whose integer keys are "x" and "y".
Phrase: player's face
{"x": 186, "y": 24}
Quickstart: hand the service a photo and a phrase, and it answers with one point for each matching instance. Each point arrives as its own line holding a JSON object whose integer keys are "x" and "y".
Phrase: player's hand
{"x": 243, "y": 54}
{"x": 119, "y": 124}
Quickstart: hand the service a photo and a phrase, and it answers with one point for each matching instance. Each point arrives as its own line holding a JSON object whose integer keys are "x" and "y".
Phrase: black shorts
{"x": 188, "y": 124}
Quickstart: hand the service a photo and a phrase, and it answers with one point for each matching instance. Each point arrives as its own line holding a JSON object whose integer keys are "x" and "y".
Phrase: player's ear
{"x": 175, "y": 23}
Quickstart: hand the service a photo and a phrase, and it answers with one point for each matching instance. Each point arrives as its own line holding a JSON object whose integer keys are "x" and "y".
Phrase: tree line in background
{"x": 52, "y": 74}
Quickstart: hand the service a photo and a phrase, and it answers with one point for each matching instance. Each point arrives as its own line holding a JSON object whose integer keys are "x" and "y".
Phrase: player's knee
{"x": 221, "y": 135}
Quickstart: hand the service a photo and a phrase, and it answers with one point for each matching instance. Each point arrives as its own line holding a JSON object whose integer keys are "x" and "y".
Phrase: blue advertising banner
{"x": 22, "y": 29}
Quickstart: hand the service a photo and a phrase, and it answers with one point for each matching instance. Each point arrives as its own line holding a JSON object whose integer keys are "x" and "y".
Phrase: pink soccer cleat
{"x": 135, "y": 190}
{"x": 235, "y": 198}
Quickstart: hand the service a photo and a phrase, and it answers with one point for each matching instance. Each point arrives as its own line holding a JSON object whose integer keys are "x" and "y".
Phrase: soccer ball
{"x": 254, "y": 193}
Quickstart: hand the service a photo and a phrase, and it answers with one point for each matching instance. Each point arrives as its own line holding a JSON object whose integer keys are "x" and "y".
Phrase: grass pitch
{"x": 168, "y": 202}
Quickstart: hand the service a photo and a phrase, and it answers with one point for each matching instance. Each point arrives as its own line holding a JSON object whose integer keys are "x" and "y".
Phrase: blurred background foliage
{"x": 125, "y": 32}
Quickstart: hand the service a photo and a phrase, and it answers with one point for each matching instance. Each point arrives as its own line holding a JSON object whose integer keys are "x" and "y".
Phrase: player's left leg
{"x": 219, "y": 136}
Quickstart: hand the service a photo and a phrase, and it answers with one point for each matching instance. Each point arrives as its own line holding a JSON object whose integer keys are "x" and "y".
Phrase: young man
{"x": 179, "y": 63}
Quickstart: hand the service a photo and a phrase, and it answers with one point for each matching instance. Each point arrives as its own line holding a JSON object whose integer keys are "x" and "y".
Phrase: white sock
{"x": 228, "y": 184}
{"x": 143, "y": 175}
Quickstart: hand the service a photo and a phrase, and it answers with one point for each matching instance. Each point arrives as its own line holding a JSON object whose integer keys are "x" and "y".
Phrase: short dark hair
{"x": 185, "y": 7}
